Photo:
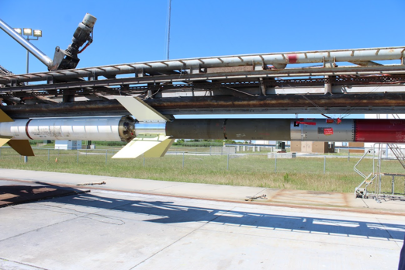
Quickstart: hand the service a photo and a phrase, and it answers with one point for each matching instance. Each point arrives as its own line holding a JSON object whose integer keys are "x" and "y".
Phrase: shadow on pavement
{"x": 170, "y": 213}
{"x": 18, "y": 194}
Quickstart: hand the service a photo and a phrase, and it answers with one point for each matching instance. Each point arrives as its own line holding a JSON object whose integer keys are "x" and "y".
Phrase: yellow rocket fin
{"x": 140, "y": 109}
{"x": 3, "y": 141}
{"x": 160, "y": 149}
{"x": 151, "y": 147}
{"x": 22, "y": 147}
{"x": 4, "y": 117}
{"x": 148, "y": 146}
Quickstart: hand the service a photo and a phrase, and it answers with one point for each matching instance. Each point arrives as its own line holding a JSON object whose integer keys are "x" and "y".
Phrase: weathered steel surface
{"x": 253, "y": 60}
{"x": 365, "y": 100}
{"x": 358, "y": 103}
{"x": 122, "y": 85}
{"x": 185, "y": 77}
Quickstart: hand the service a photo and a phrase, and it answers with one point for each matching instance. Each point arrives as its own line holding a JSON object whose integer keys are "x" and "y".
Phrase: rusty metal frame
{"x": 340, "y": 104}
{"x": 232, "y": 85}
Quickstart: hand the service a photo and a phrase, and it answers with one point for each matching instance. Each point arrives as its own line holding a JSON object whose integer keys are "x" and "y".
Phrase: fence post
{"x": 183, "y": 160}
{"x": 275, "y": 162}
{"x": 324, "y": 164}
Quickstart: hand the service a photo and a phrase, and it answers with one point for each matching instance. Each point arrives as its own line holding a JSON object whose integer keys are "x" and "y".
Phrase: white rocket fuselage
{"x": 97, "y": 128}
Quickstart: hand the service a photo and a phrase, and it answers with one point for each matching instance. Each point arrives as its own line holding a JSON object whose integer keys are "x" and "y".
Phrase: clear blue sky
{"x": 132, "y": 31}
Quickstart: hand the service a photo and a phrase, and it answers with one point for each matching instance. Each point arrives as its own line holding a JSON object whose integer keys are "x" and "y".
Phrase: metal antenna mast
{"x": 168, "y": 30}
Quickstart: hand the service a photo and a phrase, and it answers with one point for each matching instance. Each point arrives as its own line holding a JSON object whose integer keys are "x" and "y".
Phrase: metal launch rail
{"x": 352, "y": 81}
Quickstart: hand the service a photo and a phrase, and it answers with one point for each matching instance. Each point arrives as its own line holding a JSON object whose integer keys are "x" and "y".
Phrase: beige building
{"x": 312, "y": 147}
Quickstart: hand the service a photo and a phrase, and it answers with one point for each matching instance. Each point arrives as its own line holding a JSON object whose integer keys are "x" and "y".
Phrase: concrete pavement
{"x": 137, "y": 229}
{"x": 116, "y": 230}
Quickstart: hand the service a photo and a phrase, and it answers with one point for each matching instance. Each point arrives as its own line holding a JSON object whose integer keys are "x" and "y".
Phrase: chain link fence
{"x": 217, "y": 160}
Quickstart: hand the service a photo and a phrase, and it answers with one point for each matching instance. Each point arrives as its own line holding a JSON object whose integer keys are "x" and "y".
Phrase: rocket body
{"x": 328, "y": 130}
{"x": 96, "y": 128}
{"x": 126, "y": 128}
{"x": 152, "y": 133}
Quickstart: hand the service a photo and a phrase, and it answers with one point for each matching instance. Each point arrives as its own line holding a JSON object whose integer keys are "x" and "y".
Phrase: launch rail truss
{"x": 342, "y": 82}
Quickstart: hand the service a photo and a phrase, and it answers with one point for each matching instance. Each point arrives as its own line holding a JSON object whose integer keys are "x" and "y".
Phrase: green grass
{"x": 248, "y": 170}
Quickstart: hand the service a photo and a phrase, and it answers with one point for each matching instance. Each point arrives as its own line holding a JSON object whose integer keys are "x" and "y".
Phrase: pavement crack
{"x": 76, "y": 216}
{"x": 174, "y": 185}
{"x": 109, "y": 220}
{"x": 261, "y": 191}
{"x": 20, "y": 263}
{"x": 388, "y": 232}
{"x": 365, "y": 203}
{"x": 184, "y": 236}
{"x": 37, "y": 229}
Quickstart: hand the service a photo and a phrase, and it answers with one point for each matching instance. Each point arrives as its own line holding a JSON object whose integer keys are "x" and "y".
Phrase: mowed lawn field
{"x": 331, "y": 174}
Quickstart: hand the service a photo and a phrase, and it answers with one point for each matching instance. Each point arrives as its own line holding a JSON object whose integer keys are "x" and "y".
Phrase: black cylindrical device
{"x": 232, "y": 129}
